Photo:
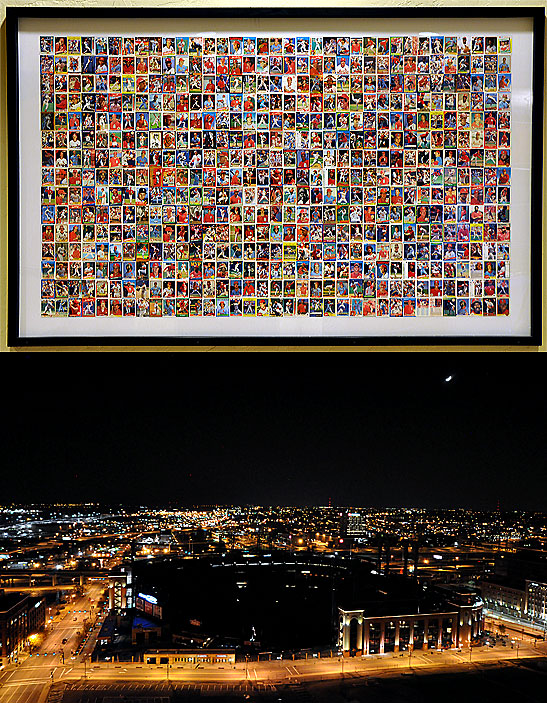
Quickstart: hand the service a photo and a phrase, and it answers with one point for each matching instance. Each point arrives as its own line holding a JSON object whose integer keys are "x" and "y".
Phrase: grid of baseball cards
{"x": 275, "y": 175}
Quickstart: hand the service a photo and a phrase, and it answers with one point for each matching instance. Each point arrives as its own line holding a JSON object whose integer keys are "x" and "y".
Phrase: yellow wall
{"x": 178, "y": 4}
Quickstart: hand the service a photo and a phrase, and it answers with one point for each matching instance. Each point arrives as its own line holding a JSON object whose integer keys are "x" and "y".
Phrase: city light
{"x": 285, "y": 541}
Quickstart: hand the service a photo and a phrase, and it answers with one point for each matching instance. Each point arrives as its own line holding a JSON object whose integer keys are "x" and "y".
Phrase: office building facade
{"x": 20, "y": 617}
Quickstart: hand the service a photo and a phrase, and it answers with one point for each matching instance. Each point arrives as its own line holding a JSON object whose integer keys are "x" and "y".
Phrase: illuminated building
{"x": 118, "y": 596}
{"x": 20, "y": 617}
{"x": 504, "y": 598}
{"x": 355, "y": 525}
{"x": 519, "y": 586}
{"x": 536, "y": 601}
{"x": 180, "y": 657}
{"x": 455, "y": 621}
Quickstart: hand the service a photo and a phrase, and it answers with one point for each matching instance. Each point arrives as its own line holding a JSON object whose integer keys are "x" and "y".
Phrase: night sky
{"x": 276, "y": 429}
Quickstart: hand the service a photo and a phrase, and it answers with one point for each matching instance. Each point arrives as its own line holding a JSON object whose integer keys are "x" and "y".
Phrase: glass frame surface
{"x": 356, "y": 331}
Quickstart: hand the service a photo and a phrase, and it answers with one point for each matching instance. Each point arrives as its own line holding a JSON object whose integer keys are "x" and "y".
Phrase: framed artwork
{"x": 290, "y": 176}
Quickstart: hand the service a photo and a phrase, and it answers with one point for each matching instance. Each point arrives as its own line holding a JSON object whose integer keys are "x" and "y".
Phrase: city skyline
{"x": 115, "y": 598}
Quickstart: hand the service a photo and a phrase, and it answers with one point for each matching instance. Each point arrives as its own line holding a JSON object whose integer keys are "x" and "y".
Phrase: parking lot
{"x": 90, "y": 692}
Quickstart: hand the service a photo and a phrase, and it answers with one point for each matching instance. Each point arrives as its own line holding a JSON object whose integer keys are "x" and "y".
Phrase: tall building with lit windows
{"x": 518, "y": 588}
{"x": 536, "y": 601}
{"x": 20, "y": 617}
{"x": 354, "y": 525}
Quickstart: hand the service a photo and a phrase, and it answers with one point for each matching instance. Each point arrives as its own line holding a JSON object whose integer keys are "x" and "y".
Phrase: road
{"x": 305, "y": 670}
{"x": 279, "y": 671}
{"x": 29, "y": 681}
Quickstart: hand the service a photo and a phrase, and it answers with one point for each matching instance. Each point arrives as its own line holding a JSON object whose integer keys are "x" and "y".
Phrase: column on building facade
{"x": 359, "y": 636}
{"x": 426, "y": 633}
{"x": 345, "y": 634}
{"x": 397, "y": 625}
{"x": 462, "y": 629}
{"x": 467, "y": 630}
{"x": 382, "y": 635}
{"x": 440, "y": 636}
{"x": 366, "y": 637}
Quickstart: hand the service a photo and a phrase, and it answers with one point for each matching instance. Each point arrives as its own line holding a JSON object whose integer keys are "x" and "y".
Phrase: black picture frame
{"x": 16, "y": 338}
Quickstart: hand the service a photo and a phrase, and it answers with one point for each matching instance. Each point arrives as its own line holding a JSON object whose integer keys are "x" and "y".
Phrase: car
{"x": 64, "y": 640}
{"x": 74, "y": 618}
